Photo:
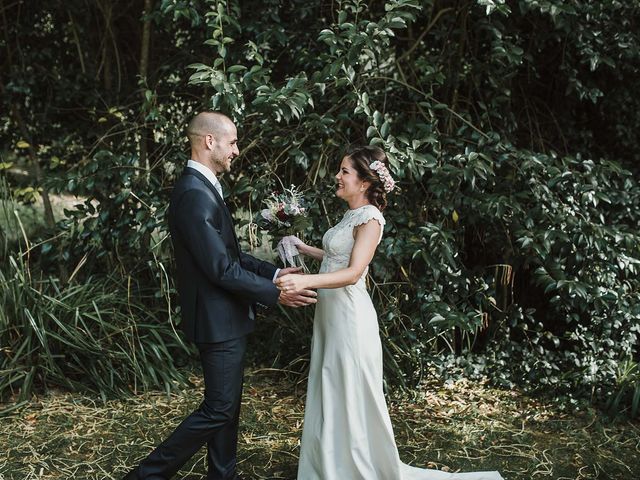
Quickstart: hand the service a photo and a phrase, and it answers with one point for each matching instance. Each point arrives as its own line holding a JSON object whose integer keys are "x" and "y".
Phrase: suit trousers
{"x": 215, "y": 422}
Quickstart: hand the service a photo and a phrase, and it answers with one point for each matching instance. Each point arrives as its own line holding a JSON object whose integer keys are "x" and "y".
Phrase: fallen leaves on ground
{"x": 456, "y": 426}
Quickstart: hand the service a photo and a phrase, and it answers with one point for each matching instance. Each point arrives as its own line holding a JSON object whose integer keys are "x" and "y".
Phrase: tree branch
{"x": 424, "y": 33}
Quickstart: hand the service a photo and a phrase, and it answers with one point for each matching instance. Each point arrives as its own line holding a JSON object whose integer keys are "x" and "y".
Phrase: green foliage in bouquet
{"x": 285, "y": 213}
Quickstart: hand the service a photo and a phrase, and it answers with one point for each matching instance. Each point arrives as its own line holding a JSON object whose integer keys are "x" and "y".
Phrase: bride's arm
{"x": 304, "y": 249}
{"x": 364, "y": 247}
{"x": 310, "y": 251}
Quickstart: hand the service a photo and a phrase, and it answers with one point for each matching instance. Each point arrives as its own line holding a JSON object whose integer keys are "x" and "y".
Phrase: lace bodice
{"x": 338, "y": 241}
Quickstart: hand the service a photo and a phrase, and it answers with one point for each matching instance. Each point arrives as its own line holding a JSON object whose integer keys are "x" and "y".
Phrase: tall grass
{"x": 95, "y": 335}
{"x": 625, "y": 397}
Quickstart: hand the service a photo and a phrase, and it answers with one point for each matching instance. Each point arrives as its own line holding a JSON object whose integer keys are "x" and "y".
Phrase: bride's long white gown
{"x": 347, "y": 432}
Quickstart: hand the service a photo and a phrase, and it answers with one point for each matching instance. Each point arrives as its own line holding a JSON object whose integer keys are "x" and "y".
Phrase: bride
{"x": 347, "y": 433}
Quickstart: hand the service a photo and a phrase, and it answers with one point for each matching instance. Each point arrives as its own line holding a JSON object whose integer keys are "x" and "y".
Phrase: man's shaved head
{"x": 214, "y": 141}
{"x": 208, "y": 123}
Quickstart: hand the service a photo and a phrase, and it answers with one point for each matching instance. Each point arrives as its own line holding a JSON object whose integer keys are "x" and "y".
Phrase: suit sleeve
{"x": 259, "y": 267}
{"x": 197, "y": 230}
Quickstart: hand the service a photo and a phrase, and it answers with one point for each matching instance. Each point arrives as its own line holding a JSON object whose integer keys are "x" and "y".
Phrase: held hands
{"x": 294, "y": 297}
{"x": 292, "y": 283}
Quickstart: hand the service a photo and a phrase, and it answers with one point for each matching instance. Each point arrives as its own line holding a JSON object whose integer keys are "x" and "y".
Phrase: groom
{"x": 218, "y": 286}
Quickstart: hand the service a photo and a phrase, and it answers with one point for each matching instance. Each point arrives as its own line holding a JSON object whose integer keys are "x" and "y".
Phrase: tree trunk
{"x": 48, "y": 210}
{"x": 144, "y": 69}
{"x": 145, "y": 44}
{"x": 146, "y": 39}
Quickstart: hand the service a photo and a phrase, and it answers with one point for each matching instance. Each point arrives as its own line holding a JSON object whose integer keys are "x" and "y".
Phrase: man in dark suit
{"x": 218, "y": 286}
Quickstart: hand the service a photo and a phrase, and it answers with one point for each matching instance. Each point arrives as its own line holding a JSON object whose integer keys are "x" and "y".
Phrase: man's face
{"x": 224, "y": 148}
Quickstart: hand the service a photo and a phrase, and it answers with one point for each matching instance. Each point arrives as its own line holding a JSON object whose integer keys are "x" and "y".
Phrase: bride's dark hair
{"x": 361, "y": 158}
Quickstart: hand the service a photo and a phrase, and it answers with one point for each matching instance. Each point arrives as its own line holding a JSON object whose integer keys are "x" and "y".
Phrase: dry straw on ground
{"x": 461, "y": 426}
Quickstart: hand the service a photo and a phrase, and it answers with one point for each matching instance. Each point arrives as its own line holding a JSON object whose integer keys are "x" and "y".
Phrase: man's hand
{"x": 286, "y": 271}
{"x": 296, "y": 299}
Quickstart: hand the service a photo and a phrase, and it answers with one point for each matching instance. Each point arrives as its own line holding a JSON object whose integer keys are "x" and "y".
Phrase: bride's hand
{"x": 293, "y": 283}
{"x": 296, "y": 242}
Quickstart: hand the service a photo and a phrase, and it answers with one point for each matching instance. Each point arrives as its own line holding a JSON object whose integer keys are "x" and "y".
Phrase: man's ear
{"x": 209, "y": 141}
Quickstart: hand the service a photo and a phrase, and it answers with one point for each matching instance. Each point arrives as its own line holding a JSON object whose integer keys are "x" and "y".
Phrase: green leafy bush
{"x": 511, "y": 248}
{"x": 476, "y": 212}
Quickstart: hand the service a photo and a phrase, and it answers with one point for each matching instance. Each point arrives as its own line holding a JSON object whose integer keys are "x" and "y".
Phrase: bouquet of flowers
{"x": 285, "y": 214}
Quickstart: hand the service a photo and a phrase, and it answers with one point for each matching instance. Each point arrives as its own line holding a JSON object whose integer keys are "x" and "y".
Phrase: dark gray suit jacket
{"x": 217, "y": 283}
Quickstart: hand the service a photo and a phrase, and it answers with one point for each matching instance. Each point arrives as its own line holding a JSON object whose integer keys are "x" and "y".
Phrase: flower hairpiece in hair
{"x": 387, "y": 182}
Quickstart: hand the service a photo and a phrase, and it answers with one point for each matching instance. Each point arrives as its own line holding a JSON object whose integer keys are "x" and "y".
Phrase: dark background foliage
{"x": 511, "y": 248}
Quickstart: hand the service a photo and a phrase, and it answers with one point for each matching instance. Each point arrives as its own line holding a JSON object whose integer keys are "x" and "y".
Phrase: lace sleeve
{"x": 367, "y": 213}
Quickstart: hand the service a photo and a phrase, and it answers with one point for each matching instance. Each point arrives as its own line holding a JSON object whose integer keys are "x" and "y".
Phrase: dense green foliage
{"x": 512, "y": 246}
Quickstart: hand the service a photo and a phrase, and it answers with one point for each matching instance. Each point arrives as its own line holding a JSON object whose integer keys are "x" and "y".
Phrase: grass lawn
{"x": 462, "y": 426}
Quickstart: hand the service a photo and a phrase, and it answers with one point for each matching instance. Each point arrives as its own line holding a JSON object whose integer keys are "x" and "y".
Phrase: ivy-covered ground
{"x": 462, "y": 425}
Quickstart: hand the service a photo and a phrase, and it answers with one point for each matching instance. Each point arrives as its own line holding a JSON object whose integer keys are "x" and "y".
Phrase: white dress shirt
{"x": 209, "y": 175}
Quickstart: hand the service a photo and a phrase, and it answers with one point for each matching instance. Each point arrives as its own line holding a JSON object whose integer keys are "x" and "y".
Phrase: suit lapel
{"x": 214, "y": 190}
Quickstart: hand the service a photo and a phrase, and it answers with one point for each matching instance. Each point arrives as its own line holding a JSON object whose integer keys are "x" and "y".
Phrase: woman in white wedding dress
{"x": 347, "y": 433}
